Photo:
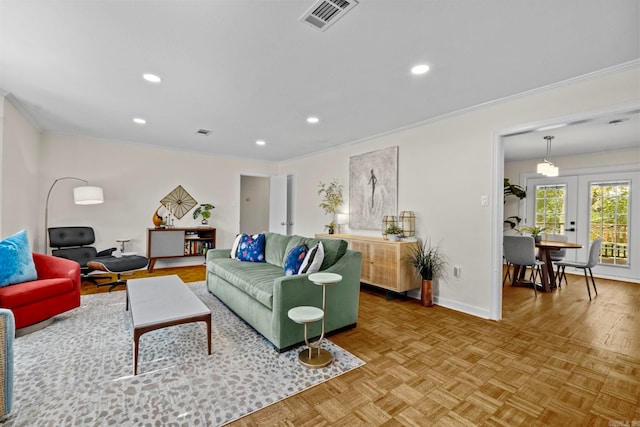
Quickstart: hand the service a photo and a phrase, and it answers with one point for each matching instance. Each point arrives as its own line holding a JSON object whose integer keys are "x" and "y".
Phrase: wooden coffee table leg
{"x": 136, "y": 339}
{"x": 208, "y": 321}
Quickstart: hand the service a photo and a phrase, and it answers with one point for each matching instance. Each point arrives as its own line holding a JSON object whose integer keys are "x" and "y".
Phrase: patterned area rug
{"x": 78, "y": 371}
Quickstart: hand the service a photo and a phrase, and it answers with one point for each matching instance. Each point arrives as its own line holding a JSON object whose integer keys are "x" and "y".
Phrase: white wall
{"x": 19, "y": 181}
{"x": 135, "y": 178}
{"x": 444, "y": 169}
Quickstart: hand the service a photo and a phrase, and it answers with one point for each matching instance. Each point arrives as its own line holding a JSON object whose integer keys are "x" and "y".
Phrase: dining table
{"x": 548, "y": 279}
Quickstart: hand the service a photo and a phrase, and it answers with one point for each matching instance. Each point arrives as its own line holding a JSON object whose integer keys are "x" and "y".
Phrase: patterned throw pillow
{"x": 294, "y": 259}
{"x": 313, "y": 260}
{"x": 251, "y": 248}
{"x": 16, "y": 261}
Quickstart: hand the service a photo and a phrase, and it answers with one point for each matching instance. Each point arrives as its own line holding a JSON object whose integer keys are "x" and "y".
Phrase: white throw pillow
{"x": 234, "y": 247}
{"x": 313, "y": 260}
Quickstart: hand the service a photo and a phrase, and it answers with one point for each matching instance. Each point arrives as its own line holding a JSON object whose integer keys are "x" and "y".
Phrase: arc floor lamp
{"x": 84, "y": 195}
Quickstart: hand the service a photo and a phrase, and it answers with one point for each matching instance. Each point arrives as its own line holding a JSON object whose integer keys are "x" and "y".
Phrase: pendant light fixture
{"x": 546, "y": 167}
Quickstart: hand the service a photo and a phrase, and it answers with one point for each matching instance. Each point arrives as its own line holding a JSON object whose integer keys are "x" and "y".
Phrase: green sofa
{"x": 262, "y": 295}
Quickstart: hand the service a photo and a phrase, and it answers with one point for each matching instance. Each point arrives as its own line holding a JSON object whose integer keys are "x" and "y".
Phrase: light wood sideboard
{"x": 384, "y": 263}
{"x": 178, "y": 242}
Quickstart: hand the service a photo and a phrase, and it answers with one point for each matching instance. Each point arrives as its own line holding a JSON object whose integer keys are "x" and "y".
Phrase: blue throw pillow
{"x": 16, "y": 261}
{"x": 294, "y": 259}
{"x": 251, "y": 248}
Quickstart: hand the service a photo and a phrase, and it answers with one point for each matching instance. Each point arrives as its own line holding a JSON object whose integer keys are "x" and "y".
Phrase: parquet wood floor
{"x": 555, "y": 360}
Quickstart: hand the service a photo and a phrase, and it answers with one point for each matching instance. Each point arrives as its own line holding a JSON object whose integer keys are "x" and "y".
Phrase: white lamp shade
{"x": 552, "y": 171}
{"x": 543, "y": 168}
{"x": 342, "y": 218}
{"x": 88, "y": 195}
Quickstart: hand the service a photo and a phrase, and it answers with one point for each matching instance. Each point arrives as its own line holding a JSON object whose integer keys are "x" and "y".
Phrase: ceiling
{"x": 611, "y": 132}
{"x": 249, "y": 70}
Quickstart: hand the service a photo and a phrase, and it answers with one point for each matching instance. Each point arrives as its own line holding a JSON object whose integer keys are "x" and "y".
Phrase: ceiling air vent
{"x": 325, "y": 13}
{"x": 203, "y": 132}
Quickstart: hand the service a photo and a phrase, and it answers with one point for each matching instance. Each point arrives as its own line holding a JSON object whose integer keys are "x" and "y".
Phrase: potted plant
{"x": 430, "y": 264}
{"x": 331, "y": 227}
{"x": 520, "y": 193}
{"x": 331, "y": 200}
{"x": 205, "y": 211}
{"x": 535, "y": 232}
{"x": 393, "y": 232}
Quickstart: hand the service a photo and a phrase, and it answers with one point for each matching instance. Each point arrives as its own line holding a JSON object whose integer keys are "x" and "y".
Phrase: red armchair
{"x": 57, "y": 290}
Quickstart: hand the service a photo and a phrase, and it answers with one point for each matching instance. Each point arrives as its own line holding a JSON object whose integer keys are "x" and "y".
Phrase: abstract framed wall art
{"x": 373, "y": 188}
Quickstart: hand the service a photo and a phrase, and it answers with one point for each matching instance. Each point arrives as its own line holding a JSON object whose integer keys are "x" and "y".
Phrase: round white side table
{"x": 305, "y": 315}
{"x": 322, "y": 357}
{"x": 122, "y": 241}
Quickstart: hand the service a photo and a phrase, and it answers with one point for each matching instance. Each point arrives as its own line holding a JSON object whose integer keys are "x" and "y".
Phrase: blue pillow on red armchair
{"x": 251, "y": 248}
{"x": 16, "y": 261}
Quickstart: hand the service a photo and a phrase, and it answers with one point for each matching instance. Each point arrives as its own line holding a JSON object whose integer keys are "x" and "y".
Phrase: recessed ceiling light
{"x": 260, "y": 142}
{"x": 139, "y": 121}
{"x": 312, "y": 119}
{"x": 151, "y": 78}
{"x": 420, "y": 69}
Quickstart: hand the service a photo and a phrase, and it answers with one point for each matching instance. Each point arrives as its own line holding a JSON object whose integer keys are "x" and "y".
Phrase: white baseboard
{"x": 465, "y": 308}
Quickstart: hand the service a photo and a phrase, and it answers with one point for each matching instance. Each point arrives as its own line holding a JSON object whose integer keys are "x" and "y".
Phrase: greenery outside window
{"x": 551, "y": 201}
{"x": 609, "y": 219}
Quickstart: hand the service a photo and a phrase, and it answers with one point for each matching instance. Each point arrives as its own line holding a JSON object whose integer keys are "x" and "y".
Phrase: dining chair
{"x": 521, "y": 251}
{"x": 507, "y": 274}
{"x": 558, "y": 255}
{"x": 594, "y": 251}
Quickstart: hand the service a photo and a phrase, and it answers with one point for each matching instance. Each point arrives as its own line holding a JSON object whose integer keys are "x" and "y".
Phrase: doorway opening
{"x": 578, "y": 123}
{"x": 254, "y": 204}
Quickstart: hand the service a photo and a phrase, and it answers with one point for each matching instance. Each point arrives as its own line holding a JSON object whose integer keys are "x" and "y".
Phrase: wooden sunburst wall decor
{"x": 181, "y": 202}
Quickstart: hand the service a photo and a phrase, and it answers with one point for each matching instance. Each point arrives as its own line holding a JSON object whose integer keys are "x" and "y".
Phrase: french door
{"x": 608, "y": 203}
{"x": 590, "y": 206}
{"x": 552, "y": 203}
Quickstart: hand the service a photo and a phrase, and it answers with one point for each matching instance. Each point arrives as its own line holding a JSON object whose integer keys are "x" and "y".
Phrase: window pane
{"x": 550, "y": 207}
{"x": 609, "y": 219}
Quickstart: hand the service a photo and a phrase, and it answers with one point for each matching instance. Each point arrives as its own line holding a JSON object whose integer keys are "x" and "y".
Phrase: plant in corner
{"x": 331, "y": 200}
{"x": 205, "y": 211}
{"x": 520, "y": 193}
{"x": 393, "y": 232}
{"x": 430, "y": 264}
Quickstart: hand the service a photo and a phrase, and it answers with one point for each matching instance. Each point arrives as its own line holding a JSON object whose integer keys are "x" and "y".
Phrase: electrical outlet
{"x": 457, "y": 271}
{"x": 484, "y": 200}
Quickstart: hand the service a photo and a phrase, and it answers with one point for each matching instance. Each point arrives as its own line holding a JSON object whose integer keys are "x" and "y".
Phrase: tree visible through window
{"x": 550, "y": 207}
{"x": 610, "y": 220}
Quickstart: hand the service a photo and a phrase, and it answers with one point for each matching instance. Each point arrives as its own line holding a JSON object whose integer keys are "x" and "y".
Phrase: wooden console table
{"x": 384, "y": 263}
{"x": 174, "y": 242}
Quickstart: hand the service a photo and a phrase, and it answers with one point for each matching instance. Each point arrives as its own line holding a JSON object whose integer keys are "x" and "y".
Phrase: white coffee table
{"x": 160, "y": 302}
